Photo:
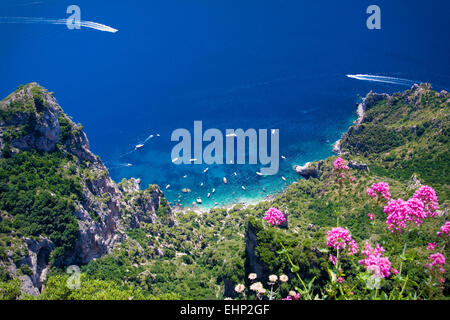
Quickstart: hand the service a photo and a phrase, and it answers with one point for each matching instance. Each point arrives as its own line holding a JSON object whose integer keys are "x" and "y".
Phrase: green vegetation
{"x": 402, "y": 137}
{"x": 40, "y": 194}
{"x": 10, "y": 290}
{"x": 65, "y": 128}
{"x": 92, "y": 289}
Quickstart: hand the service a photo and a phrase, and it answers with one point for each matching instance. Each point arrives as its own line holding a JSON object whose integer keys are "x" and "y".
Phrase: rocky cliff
{"x": 32, "y": 120}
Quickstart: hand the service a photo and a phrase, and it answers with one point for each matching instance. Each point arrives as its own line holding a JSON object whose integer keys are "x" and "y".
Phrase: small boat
{"x": 204, "y": 171}
{"x": 157, "y": 135}
{"x": 224, "y": 180}
{"x": 208, "y": 195}
{"x": 138, "y": 146}
{"x": 213, "y": 190}
{"x": 129, "y": 165}
{"x": 284, "y": 179}
{"x": 168, "y": 186}
{"x": 234, "y": 173}
{"x": 185, "y": 176}
{"x": 199, "y": 200}
{"x": 201, "y": 184}
{"x": 259, "y": 173}
{"x": 283, "y": 157}
{"x": 243, "y": 188}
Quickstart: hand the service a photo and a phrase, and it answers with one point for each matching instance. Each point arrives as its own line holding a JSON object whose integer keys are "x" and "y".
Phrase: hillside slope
{"x": 130, "y": 246}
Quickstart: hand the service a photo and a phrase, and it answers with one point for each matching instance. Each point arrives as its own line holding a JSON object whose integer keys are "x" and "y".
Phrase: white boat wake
{"x": 121, "y": 165}
{"x": 85, "y": 24}
{"x": 391, "y": 80}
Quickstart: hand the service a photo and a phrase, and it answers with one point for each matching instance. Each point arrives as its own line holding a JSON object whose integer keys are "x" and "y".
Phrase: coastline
{"x": 249, "y": 201}
{"x": 360, "y": 112}
{"x": 227, "y": 206}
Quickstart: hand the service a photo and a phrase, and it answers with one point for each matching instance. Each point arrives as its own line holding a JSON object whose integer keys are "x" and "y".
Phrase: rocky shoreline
{"x": 360, "y": 111}
{"x": 311, "y": 170}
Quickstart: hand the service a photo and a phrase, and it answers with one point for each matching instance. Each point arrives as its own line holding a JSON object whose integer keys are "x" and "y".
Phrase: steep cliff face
{"x": 35, "y": 110}
{"x": 146, "y": 205}
{"x": 31, "y": 120}
{"x": 418, "y": 108}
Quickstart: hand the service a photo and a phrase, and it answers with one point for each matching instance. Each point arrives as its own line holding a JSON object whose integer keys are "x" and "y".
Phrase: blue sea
{"x": 231, "y": 64}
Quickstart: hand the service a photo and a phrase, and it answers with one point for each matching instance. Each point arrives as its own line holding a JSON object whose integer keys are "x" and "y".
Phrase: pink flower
{"x": 274, "y": 216}
{"x": 436, "y": 260}
{"x": 379, "y": 189}
{"x": 374, "y": 261}
{"x": 333, "y": 259}
{"x": 445, "y": 229}
{"x": 396, "y": 210}
{"x": 340, "y": 164}
{"x": 394, "y": 271}
{"x": 292, "y": 296}
{"x": 340, "y": 279}
{"x": 371, "y": 216}
{"x": 352, "y": 247}
{"x": 416, "y": 211}
{"x": 431, "y": 246}
{"x": 295, "y": 297}
{"x": 340, "y": 238}
{"x": 429, "y": 198}
{"x": 399, "y": 212}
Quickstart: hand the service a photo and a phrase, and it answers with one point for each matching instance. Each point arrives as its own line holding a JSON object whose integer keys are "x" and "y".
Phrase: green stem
{"x": 403, "y": 288}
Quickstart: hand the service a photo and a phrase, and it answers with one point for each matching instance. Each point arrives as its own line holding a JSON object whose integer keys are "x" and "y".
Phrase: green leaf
{"x": 295, "y": 269}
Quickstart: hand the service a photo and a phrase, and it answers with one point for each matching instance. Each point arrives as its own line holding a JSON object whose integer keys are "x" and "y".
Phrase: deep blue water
{"x": 232, "y": 64}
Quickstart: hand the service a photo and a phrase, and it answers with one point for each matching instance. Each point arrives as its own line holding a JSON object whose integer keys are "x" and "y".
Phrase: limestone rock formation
{"x": 309, "y": 169}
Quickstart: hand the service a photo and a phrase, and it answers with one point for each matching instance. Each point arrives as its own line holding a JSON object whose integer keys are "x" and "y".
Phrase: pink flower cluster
{"x": 342, "y": 171}
{"x": 374, "y": 261}
{"x": 340, "y": 238}
{"x": 379, "y": 189}
{"x": 274, "y": 216}
{"x": 422, "y": 205}
{"x": 429, "y": 199}
{"x": 371, "y": 216}
{"x": 340, "y": 164}
{"x": 445, "y": 229}
{"x": 340, "y": 279}
{"x": 431, "y": 246}
{"x": 436, "y": 260}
